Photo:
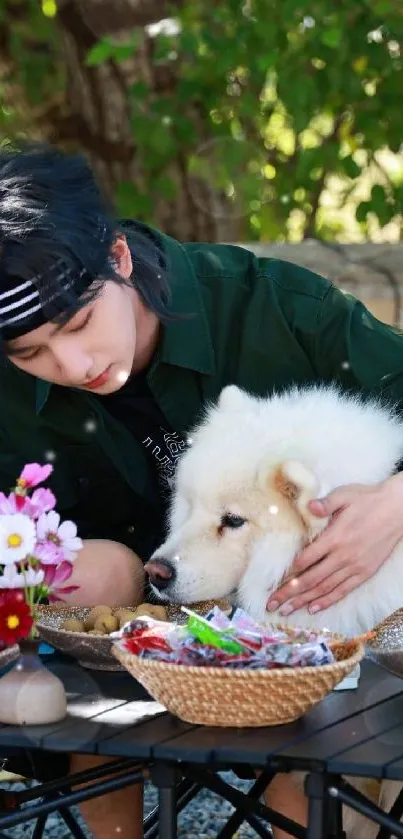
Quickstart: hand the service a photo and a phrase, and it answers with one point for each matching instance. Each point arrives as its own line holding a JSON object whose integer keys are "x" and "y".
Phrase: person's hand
{"x": 366, "y": 525}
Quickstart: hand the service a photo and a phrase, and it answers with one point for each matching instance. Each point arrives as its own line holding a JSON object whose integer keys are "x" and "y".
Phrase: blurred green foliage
{"x": 291, "y": 93}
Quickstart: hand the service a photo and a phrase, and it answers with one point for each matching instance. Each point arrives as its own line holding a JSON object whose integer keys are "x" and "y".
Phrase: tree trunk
{"x": 96, "y": 116}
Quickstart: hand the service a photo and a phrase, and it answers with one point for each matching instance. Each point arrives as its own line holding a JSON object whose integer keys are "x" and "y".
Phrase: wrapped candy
{"x": 142, "y": 637}
{"x": 219, "y": 641}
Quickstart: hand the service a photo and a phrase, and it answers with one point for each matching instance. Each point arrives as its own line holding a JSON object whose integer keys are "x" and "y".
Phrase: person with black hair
{"x": 115, "y": 336}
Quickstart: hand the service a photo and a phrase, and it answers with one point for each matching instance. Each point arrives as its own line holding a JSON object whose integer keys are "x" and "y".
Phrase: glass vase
{"x": 29, "y": 693}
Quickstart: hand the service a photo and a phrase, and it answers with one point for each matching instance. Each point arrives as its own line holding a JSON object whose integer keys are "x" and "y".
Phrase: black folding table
{"x": 356, "y": 732}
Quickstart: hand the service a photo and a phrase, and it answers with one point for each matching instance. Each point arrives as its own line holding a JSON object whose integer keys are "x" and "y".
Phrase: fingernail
{"x": 286, "y": 609}
{"x": 313, "y": 609}
{"x": 272, "y": 606}
{"x": 318, "y": 503}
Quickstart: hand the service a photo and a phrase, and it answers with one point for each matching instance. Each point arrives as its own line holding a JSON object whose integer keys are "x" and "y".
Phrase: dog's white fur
{"x": 263, "y": 460}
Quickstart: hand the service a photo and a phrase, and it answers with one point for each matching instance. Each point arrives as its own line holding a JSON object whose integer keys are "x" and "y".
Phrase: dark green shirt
{"x": 262, "y": 324}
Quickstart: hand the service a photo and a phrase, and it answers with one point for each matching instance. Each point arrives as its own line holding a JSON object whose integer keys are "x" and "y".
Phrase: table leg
{"x": 396, "y": 812}
{"x": 334, "y": 819}
{"x": 39, "y": 828}
{"x": 167, "y": 813}
{"x": 358, "y": 802}
{"x": 316, "y": 793}
{"x": 235, "y": 821}
{"x": 166, "y": 779}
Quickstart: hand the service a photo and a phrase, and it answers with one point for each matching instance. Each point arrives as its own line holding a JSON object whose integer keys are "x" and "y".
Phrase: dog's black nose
{"x": 161, "y": 573}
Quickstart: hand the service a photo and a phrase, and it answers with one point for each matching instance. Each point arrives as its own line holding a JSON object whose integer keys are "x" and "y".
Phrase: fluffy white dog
{"x": 239, "y": 513}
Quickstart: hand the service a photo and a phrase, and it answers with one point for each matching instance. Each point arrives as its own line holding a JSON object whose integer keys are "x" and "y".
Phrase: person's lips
{"x": 99, "y": 381}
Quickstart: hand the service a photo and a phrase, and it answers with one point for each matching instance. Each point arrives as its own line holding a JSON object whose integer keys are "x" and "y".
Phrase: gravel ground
{"x": 202, "y": 819}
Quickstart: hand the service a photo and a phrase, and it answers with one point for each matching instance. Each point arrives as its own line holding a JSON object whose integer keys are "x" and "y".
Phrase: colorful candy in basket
{"x": 220, "y": 641}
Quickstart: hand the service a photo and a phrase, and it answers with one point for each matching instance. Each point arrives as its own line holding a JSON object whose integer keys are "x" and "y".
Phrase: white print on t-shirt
{"x": 166, "y": 455}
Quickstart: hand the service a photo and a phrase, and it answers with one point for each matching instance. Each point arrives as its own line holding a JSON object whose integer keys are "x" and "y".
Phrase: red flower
{"x": 15, "y": 617}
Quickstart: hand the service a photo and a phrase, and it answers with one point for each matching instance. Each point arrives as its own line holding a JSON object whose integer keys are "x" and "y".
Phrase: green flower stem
{"x": 30, "y": 597}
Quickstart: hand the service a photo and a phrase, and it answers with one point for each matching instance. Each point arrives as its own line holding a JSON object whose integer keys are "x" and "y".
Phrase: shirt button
{"x": 130, "y": 529}
{"x": 84, "y": 482}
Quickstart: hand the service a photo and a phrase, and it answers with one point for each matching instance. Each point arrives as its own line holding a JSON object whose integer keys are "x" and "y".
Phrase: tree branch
{"x": 383, "y": 171}
{"x": 310, "y": 224}
{"x": 108, "y": 17}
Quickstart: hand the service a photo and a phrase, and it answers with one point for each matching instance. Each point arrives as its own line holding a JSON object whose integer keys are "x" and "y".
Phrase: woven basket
{"x": 245, "y": 698}
{"x": 386, "y": 647}
{"x": 383, "y": 630}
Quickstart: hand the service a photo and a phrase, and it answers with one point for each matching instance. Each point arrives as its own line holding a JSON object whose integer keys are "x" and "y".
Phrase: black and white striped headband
{"x": 29, "y": 303}
{"x": 24, "y": 308}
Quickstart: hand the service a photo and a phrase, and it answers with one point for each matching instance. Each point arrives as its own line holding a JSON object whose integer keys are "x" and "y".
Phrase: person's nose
{"x": 75, "y": 364}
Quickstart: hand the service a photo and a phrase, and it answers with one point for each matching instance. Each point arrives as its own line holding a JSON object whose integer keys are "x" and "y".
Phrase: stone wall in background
{"x": 372, "y": 272}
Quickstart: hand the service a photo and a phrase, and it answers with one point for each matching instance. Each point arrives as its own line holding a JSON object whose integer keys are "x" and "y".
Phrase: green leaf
{"x": 184, "y": 129}
{"x": 99, "y": 53}
{"x": 131, "y": 202}
{"x": 398, "y": 199}
{"x": 138, "y": 90}
{"x": 380, "y": 205}
{"x": 122, "y": 52}
{"x": 332, "y": 37}
{"x": 106, "y": 49}
{"x": 362, "y": 211}
{"x": 350, "y": 167}
{"x": 165, "y": 187}
{"x": 377, "y": 194}
{"x": 161, "y": 140}
{"x": 383, "y": 7}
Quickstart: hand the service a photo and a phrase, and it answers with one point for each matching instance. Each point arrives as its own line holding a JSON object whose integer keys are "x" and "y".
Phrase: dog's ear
{"x": 232, "y": 398}
{"x": 300, "y": 485}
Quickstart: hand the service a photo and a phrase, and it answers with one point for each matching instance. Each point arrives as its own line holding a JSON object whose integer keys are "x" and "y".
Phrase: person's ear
{"x": 122, "y": 258}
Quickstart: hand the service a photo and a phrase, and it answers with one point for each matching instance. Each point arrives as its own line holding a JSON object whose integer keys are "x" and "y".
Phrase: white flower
{"x": 13, "y": 579}
{"x": 17, "y": 538}
{"x": 63, "y": 535}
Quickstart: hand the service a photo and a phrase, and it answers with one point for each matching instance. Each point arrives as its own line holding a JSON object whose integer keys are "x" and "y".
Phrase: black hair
{"x": 53, "y": 213}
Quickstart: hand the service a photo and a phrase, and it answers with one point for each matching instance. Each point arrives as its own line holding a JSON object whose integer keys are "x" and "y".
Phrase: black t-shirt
{"x": 135, "y": 406}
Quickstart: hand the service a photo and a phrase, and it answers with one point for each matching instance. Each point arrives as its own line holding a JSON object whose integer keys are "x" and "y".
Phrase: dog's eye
{"x": 232, "y": 521}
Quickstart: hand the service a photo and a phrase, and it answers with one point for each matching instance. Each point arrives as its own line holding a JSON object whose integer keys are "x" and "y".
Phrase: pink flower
{"x": 42, "y": 500}
{"x": 33, "y": 474}
{"x": 48, "y": 553}
{"x": 63, "y": 535}
{"x": 37, "y": 550}
{"x": 12, "y": 504}
{"x": 55, "y": 575}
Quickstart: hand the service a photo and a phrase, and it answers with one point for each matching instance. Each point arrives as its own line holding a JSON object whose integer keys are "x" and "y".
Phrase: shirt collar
{"x": 186, "y": 340}
{"x": 42, "y": 393}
